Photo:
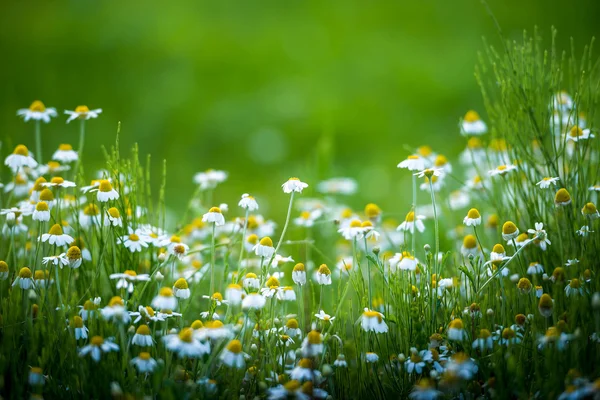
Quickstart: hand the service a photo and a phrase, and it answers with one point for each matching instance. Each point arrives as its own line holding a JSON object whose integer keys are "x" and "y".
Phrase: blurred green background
{"x": 264, "y": 90}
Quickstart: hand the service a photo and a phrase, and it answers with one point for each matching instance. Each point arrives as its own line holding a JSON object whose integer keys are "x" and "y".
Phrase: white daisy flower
{"x": 115, "y": 311}
{"x": 547, "y": 182}
{"x": 323, "y": 275}
{"x": 473, "y": 218}
{"x": 248, "y": 203}
{"x": 253, "y": 301}
{"x": 59, "y": 260}
{"x": 83, "y": 113}
{"x": 210, "y": 179}
{"x": 502, "y": 170}
{"x": 456, "y": 330}
{"x": 80, "y": 330}
{"x": 105, "y": 191}
{"x": 144, "y": 363}
{"x": 42, "y": 212}
{"x": 232, "y": 356}
{"x": 165, "y": 299}
{"x": 133, "y": 242}
{"x": 57, "y": 181}
{"x": 142, "y": 337}
{"x": 214, "y": 215}
{"x": 24, "y": 279}
{"x": 264, "y": 248}
{"x": 413, "y": 163}
{"x": 294, "y": 185}
{"x": 472, "y": 124}
{"x": 56, "y": 237}
{"x": 324, "y": 317}
{"x": 411, "y": 222}
{"x": 181, "y": 289}
{"x": 20, "y": 158}
{"x": 372, "y": 321}
{"x": 540, "y": 234}
{"x": 65, "y": 154}
{"x": 251, "y": 281}
{"x": 429, "y": 172}
{"x": 37, "y": 112}
{"x": 97, "y": 346}
{"x": 576, "y": 134}
{"x": 352, "y": 230}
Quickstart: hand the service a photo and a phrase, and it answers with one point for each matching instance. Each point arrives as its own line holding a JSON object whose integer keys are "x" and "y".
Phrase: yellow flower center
{"x": 77, "y": 322}
{"x": 545, "y": 301}
{"x": 372, "y": 210}
{"x": 456, "y": 324}
{"x": 470, "y": 242}
{"x": 562, "y": 196}
{"x": 91, "y": 210}
{"x": 324, "y": 270}
{"x": 314, "y": 337}
{"x": 484, "y": 334}
{"x": 576, "y": 131}
{"x": 266, "y": 241}
{"x": 144, "y": 355}
{"x": 3, "y": 266}
{"x": 589, "y": 209}
{"x": 215, "y": 210}
{"x": 575, "y": 284}
{"x": 299, "y": 267}
{"x": 524, "y": 284}
{"x": 82, "y": 109}
{"x": 440, "y": 161}
{"x": 425, "y": 151}
{"x": 181, "y": 283}
{"x": 413, "y": 157}
{"x": 115, "y": 301}
{"x": 166, "y": 292}
{"x": 197, "y": 324}
{"x": 21, "y": 150}
{"x": 355, "y": 223}
{"x": 105, "y": 186}
{"x": 97, "y": 340}
{"x": 252, "y": 239}
{"x": 305, "y": 215}
{"x": 410, "y": 217}
{"x": 292, "y": 324}
{"x": 235, "y": 346}
{"x": 56, "y": 230}
{"x": 474, "y": 143}
{"x": 272, "y": 282}
{"x": 508, "y": 333}
{"x": 251, "y": 275}
{"x": 473, "y": 213}
{"x": 186, "y": 335}
{"x": 41, "y": 206}
{"x": 498, "y": 248}
{"x": 74, "y": 253}
{"x": 37, "y": 106}
{"x": 217, "y": 296}
{"x": 143, "y": 330}
{"x": 65, "y": 147}
{"x": 509, "y": 227}
{"x": 471, "y": 116}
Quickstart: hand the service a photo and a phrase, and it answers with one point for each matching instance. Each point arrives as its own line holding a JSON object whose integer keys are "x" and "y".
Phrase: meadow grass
{"x": 488, "y": 288}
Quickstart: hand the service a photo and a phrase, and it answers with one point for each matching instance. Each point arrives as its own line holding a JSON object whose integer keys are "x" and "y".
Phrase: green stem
{"x": 81, "y": 142}
{"x": 212, "y": 261}
{"x": 243, "y": 243}
{"x": 38, "y": 141}
{"x": 414, "y": 209}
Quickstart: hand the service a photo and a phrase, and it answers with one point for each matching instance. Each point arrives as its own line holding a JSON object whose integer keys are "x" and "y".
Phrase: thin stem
{"x": 287, "y": 221}
{"x": 81, "y": 142}
{"x": 437, "y": 248}
{"x": 243, "y": 242}
{"x": 212, "y": 261}
{"x": 414, "y": 209}
{"x": 38, "y": 141}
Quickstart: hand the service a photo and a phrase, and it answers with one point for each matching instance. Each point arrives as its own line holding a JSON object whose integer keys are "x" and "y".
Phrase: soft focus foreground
{"x": 489, "y": 286}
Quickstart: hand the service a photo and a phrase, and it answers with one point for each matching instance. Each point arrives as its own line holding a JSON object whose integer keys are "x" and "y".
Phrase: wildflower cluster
{"x": 488, "y": 287}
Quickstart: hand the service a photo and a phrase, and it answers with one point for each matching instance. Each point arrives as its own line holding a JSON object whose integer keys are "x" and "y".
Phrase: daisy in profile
{"x": 535, "y": 268}
{"x": 80, "y": 330}
{"x": 253, "y": 301}
{"x": 472, "y": 125}
{"x": 562, "y": 197}
{"x": 37, "y": 111}
{"x": 144, "y": 363}
{"x": 82, "y": 113}
{"x": 57, "y": 181}
{"x": 484, "y": 341}
{"x": 126, "y": 279}
{"x": 299, "y": 274}
{"x": 234, "y": 294}
{"x": 264, "y": 248}
{"x": 509, "y": 231}
{"x": 502, "y": 170}
{"x": 59, "y": 260}
{"x": 540, "y": 235}
{"x": 372, "y": 321}
{"x": 547, "y": 182}
{"x": 133, "y": 242}
{"x": 323, "y": 275}
{"x": 312, "y": 345}
{"x": 352, "y": 230}
{"x": 115, "y": 311}
{"x": 473, "y": 218}
{"x": 3, "y": 270}
{"x": 142, "y": 337}
{"x": 456, "y": 330}
{"x": 65, "y": 154}
{"x": 415, "y": 363}
{"x": 413, "y": 163}
{"x": 508, "y": 337}
{"x": 576, "y": 134}
{"x": 165, "y": 299}
{"x": 233, "y": 356}
{"x": 429, "y": 173}
{"x": 74, "y": 257}
{"x": 574, "y": 288}
{"x": 546, "y": 305}
{"x": 181, "y": 289}
{"x": 113, "y": 217}
{"x": 251, "y": 281}
{"x": 97, "y": 346}
{"x": 210, "y": 178}
{"x": 425, "y": 389}
{"x": 24, "y": 279}
{"x": 41, "y": 212}
{"x": 215, "y": 216}
{"x": 185, "y": 345}
{"x": 20, "y": 158}
{"x": 105, "y": 191}
{"x": 248, "y": 203}
{"x": 294, "y": 185}
{"x": 590, "y": 211}
{"x": 411, "y": 222}
{"x": 272, "y": 287}
{"x": 408, "y": 262}
{"x": 56, "y": 237}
